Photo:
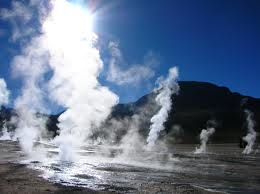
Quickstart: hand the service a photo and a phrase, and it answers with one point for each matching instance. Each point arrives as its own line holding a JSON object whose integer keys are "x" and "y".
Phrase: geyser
{"x": 76, "y": 65}
{"x": 63, "y": 62}
{"x": 204, "y": 137}
{"x": 166, "y": 88}
{"x": 250, "y": 138}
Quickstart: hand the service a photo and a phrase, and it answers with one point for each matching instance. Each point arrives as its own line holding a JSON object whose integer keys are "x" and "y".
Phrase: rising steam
{"x": 250, "y": 138}
{"x": 4, "y": 93}
{"x": 4, "y": 99}
{"x": 6, "y": 135}
{"x": 167, "y": 87}
{"x": 204, "y": 137}
{"x": 76, "y": 65}
{"x": 64, "y": 50}
{"x": 30, "y": 66}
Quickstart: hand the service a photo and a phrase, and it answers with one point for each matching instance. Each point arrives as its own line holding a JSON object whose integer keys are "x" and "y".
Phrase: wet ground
{"x": 101, "y": 168}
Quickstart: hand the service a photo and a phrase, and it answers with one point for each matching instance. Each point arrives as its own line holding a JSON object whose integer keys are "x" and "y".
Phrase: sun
{"x": 81, "y": 19}
{"x": 68, "y": 22}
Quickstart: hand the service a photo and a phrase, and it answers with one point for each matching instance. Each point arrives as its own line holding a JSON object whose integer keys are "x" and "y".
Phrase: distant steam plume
{"x": 4, "y": 99}
{"x": 204, "y": 137}
{"x": 250, "y": 138}
{"x": 167, "y": 87}
{"x": 4, "y": 93}
{"x": 132, "y": 142}
{"x": 5, "y": 134}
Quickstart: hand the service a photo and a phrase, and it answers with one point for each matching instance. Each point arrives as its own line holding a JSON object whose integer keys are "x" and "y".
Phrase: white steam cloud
{"x": 65, "y": 50}
{"x": 250, "y": 138}
{"x": 4, "y": 100}
{"x": 65, "y": 47}
{"x": 167, "y": 87}
{"x": 76, "y": 65}
{"x": 19, "y": 15}
{"x": 6, "y": 135}
{"x": 204, "y": 137}
{"x": 31, "y": 66}
{"x": 135, "y": 73}
{"x": 4, "y": 93}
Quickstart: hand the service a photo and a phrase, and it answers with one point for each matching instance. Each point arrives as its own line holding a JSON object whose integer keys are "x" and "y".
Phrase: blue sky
{"x": 216, "y": 41}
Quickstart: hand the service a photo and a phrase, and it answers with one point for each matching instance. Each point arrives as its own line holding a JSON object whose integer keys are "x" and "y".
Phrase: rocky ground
{"x": 17, "y": 178}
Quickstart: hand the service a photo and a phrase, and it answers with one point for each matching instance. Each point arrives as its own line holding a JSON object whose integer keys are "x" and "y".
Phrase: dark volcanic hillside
{"x": 197, "y": 103}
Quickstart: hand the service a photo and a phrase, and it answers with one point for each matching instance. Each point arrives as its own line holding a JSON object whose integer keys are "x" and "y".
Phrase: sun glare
{"x": 68, "y": 22}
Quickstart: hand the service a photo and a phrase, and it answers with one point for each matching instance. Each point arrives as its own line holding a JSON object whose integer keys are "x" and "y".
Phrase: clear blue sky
{"x": 216, "y": 41}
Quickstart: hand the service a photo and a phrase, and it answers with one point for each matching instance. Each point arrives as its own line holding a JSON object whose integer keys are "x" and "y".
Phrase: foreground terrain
{"x": 99, "y": 170}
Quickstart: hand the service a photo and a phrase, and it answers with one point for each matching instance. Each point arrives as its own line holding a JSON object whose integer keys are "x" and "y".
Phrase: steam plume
{"x": 204, "y": 137}
{"x": 30, "y": 65}
{"x": 5, "y": 134}
{"x": 4, "y": 93}
{"x": 250, "y": 138}
{"x": 65, "y": 46}
{"x": 167, "y": 87}
{"x": 76, "y": 65}
{"x": 4, "y": 99}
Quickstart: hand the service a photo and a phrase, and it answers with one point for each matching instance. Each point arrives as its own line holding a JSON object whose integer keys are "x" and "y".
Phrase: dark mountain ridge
{"x": 200, "y": 102}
